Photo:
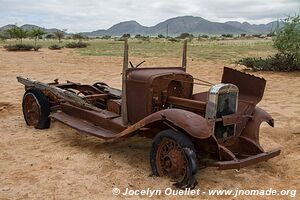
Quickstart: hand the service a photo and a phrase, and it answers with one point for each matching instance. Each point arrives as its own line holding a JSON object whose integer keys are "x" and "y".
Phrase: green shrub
{"x": 37, "y": 47}
{"x": 287, "y": 42}
{"x": 185, "y": 35}
{"x": 55, "y": 47}
{"x": 76, "y": 45}
{"x": 19, "y": 47}
{"x": 278, "y": 62}
{"x": 126, "y": 35}
{"x": 171, "y": 39}
{"x": 227, "y": 35}
{"x": 105, "y": 37}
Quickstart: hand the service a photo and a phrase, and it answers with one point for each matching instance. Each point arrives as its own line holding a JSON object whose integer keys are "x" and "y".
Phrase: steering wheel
{"x": 137, "y": 64}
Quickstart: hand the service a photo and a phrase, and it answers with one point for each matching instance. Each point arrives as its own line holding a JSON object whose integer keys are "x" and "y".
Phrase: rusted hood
{"x": 251, "y": 88}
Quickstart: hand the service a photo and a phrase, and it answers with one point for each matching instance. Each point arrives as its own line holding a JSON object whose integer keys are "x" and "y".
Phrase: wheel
{"x": 173, "y": 155}
{"x": 36, "y": 109}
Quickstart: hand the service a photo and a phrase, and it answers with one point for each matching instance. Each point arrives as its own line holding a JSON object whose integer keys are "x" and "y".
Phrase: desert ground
{"x": 61, "y": 163}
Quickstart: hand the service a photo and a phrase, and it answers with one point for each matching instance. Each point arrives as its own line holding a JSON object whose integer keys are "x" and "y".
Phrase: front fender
{"x": 193, "y": 124}
{"x": 251, "y": 129}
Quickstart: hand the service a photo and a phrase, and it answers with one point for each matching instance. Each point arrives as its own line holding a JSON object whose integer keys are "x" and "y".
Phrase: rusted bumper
{"x": 237, "y": 164}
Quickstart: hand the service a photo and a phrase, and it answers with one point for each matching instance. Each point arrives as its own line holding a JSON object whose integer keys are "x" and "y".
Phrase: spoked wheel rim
{"x": 32, "y": 109}
{"x": 171, "y": 160}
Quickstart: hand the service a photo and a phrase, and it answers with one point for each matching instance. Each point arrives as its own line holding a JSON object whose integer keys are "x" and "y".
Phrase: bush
{"x": 76, "y": 45}
{"x": 287, "y": 42}
{"x": 19, "y": 47}
{"x": 171, "y": 39}
{"x": 257, "y": 35}
{"x": 37, "y": 47}
{"x": 105, "y": 37}
{"x": 55, "y": 47}
{"x": 126, "y": 35}
{"x": 185, "y": 35}
{"x": 278, "y": 62}
{"x": 227, "y": 35}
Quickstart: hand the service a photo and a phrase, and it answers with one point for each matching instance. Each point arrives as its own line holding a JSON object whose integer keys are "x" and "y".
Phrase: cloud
{"x": 87, "y": 15}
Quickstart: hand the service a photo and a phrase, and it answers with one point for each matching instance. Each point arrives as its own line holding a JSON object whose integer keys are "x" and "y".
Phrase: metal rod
{"x": 184, "y": 55}
{"x": 197, "y": 79}
{"x": 124, "y": 111}
{"x": 188, "y": 82}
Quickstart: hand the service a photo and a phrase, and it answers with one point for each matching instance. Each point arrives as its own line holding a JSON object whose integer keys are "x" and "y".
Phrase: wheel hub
{"x": 32, "y": 109}
{"x": 171, "y": 160}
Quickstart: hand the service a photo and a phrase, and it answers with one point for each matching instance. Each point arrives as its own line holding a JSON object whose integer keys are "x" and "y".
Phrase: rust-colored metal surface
{"x": 171, "y": 160}
{"x": 222, "y": 122}
{"x": 32, "y": 109}
{"x": 150, "y": 87}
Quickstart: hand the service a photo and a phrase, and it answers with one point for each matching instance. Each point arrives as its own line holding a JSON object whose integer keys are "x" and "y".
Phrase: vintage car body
{"x": 218, "y": 127}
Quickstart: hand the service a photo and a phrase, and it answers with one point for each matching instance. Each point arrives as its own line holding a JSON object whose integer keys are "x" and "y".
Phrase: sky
{"x": 90, "y": 15}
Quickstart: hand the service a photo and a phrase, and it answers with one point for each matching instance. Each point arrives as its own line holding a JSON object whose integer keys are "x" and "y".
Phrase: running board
{"x": 83, "y": 126}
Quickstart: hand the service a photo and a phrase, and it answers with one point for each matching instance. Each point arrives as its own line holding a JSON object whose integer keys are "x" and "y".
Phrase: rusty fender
{"x": 251, "y": 130}
{"x": 193, "y": 124}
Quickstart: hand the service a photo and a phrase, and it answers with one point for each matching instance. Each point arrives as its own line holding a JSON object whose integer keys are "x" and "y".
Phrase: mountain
{"x": 254, "y": 28}
{"x": 174, "y": 26}
{"x": 131, "y": 27}
{"x": 6, "y": 27}
{"x": 28, "y": 27}
{"x": 194, "y": 25}
{"x": 47, "y": 30}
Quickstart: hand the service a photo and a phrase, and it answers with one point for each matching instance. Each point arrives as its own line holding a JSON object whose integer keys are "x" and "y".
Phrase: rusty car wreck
{"x": 217, "y": 128}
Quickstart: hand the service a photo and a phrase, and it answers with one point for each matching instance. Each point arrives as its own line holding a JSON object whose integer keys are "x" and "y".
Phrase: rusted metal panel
{"x": 238, "y": 164}
{"x": 83, "y": 126}
{"x": 114, "y": 105}
{"x": 251, "y": 88}
{"x": 251, "y": 130}
{"x": 186, "y": 103}
{"x": 148, "y": 88}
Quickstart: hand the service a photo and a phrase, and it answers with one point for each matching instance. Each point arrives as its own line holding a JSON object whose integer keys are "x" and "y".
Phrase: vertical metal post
{"x": 184, "y": 55}
{"x": 124, "y": 112}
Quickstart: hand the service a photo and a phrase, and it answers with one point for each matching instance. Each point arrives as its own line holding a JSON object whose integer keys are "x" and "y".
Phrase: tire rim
{"x": 32, "y": 109}
{"x": 171, "y": 160}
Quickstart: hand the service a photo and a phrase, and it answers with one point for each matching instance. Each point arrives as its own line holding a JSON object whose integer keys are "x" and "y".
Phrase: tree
{"x": 50, "y": 36}
{"x": 106, "y": 37}
{"x": 126, "y": 35}
{"x": 59, "y": 35}
{"x": 138, "y": 36}
{"x": 36, "y": 33}
{"x": 227, "y": 35}
{"x": 18, "y": 33}
{"x": 4, "y": 35}
{"x": 287, "y": 39}
{"x": 77, "y": 36}
{"x": 185, "y": 35}
{"x": 161, "y": 36}
{"x": 287, "y": 42}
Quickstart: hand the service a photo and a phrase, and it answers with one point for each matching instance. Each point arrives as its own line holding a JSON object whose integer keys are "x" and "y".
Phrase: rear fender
{"x": 251, "y": 130}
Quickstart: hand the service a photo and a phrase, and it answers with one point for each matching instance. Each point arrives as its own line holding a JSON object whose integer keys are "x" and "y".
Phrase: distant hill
{"x": 28, "y": 27}
{"x": 254, "y": 28}
{"x": 190, "y": 24}
{"x": 174, "y": 27}
{"x": 6, "y": 27}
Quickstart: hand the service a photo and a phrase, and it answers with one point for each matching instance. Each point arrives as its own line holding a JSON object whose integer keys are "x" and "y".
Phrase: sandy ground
{"x": 60, "y": 163}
